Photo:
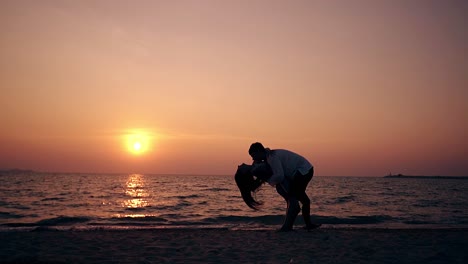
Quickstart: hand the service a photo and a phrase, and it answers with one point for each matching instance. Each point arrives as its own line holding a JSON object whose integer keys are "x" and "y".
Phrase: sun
{"x": 138, "y": 142}
{"x": 137, "y": 146}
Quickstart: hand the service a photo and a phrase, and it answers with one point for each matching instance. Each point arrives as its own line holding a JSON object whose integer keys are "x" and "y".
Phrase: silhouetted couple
{"x": 287, "y": 171}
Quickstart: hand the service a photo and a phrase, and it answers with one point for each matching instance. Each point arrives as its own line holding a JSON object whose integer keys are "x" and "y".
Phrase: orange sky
{"x": 357, "y": 87}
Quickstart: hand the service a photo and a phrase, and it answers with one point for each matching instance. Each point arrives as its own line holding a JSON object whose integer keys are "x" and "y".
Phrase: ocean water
{"x": 31, "y": 201}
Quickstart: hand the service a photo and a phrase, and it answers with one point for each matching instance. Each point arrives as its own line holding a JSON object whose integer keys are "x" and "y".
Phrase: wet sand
{"x": 325, "y": 245}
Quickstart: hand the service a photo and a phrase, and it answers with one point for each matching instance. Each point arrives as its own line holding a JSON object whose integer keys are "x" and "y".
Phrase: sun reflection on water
{"x": 135, "y": 188}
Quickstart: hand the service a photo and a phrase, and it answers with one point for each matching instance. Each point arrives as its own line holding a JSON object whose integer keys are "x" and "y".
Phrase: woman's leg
{"x": 282, "y": 192}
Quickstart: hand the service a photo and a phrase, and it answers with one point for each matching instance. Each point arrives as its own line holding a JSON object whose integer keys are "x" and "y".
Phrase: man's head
{"x": 257, "y": 152}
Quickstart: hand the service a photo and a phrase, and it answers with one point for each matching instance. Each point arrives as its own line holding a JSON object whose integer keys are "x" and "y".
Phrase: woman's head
{"x": 247, "y": 184}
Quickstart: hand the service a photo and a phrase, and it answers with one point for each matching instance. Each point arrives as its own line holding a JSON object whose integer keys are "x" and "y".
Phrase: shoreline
{"x": 323, "y": 245}
{"x": 244, "y": 228}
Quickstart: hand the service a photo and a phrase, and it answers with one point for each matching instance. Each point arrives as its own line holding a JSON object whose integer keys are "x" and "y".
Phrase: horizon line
{"x": 16, "y": 170}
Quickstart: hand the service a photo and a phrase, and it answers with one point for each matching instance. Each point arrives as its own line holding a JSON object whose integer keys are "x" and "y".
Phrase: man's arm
{"x": 277, "y": 170}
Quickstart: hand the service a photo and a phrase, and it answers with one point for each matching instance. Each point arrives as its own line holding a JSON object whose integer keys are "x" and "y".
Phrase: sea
{"x": 81, "y": 201}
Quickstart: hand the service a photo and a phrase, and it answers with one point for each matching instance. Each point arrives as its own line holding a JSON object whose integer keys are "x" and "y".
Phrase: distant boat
{"x": 394, "y": 176}
{"x": 401, "y": 176}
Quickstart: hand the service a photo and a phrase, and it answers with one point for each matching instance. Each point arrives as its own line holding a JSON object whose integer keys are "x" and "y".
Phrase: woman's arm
{"x": 261, "y": 170}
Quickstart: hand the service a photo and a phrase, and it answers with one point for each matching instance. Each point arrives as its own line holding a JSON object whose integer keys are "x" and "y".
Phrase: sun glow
{"x": 138, "y": 142}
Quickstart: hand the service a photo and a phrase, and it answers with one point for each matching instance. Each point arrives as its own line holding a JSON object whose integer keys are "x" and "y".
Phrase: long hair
{"x": 247, "y": 185}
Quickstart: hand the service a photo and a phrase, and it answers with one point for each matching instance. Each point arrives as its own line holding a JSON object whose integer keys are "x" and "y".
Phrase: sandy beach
{"x": 325, "y": 245}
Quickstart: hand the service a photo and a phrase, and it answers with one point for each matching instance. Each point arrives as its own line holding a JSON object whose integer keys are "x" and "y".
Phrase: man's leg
{"x": 291, "y": 214}
{"x": 300, "y": 188}
{"x": 292, "y": 209}
{"x": 305, "y": 201}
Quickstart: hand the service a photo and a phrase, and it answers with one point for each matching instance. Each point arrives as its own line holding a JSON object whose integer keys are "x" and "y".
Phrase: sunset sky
{"x": 360, "y": 88}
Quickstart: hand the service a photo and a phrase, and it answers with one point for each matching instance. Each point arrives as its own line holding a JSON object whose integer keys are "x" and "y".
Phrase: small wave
{"x": 416, "y": 222}
{"x": 79, "y": 205}
{"x": 200, "y": 186}
{"x": 6, "y": 215}
{"x": 278, "y": 219}
{"x": 264, "y": 219}
{"x": 100, "y": 196}
{"x": 218, "y": 189}
{"x": 18, "y": 225}
{"x": 135, "y": 209}
{"x": 344, "y": 199}
{"x": 188, "y": 196}
{"x": 19, "y": 206}
{"x": 181, "y": 205}
{"x": 427, "y": 203}
{"x": 145, "y": 218}
{"x": 161, "y": 207}
{"x": 62, "y": 220}
{"x": 352, "y": 220}
{"x": 53, "y": 199}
